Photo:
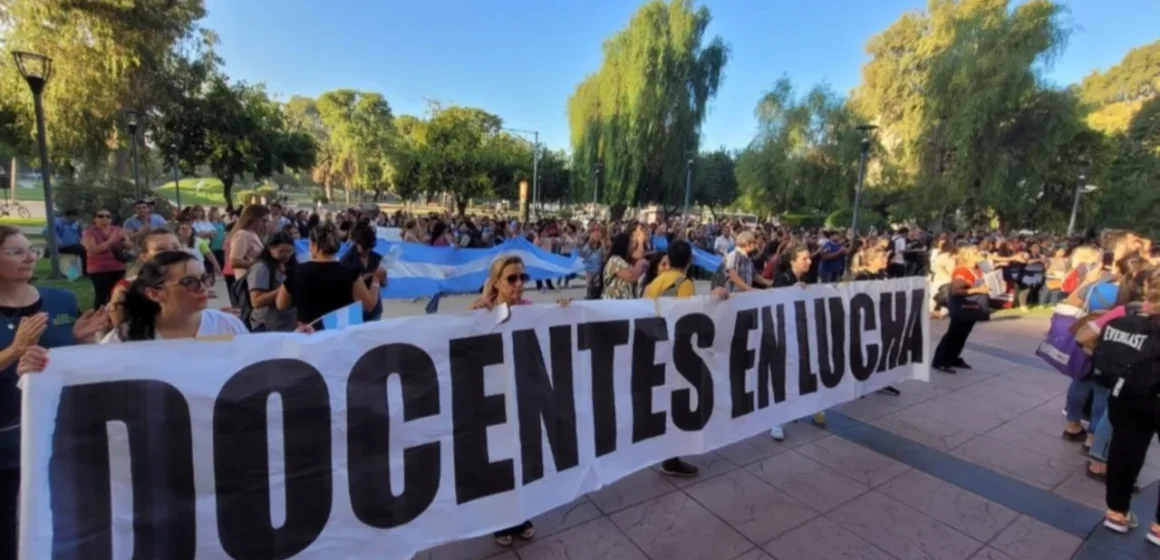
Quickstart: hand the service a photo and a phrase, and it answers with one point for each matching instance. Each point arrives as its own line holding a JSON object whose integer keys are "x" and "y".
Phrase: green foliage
{"x": 235, "y": 131}
{"x": 802, "y": 220}
{"x": 841, "y": 219}
{"x": 804, "y": 156}
{"x": 462, "y": 152}
{"x": 1115, "y": 96}
{"x": 714, "y": 179}
{"x": 639, "y": 115}
{"x": 88, "y": 196}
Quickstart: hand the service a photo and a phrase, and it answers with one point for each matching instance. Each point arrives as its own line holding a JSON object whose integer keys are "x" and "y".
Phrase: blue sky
{"x": 521, "y": 59}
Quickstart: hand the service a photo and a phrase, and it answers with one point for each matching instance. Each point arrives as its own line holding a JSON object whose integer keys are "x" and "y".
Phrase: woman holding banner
{"x": 30, "y": 317}
{"x": 871, "y": 264}
{"x": 505, "y": 283}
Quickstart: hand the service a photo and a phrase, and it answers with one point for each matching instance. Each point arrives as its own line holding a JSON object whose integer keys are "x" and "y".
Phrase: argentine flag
{"x": 342, "y": 318}
{"x": 417, "y": 270}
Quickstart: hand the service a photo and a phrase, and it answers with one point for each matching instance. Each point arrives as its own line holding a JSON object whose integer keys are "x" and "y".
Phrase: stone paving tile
{"x": 755, "y": 509}
{"x": 901, "y": 530}
{"x": 959, "y": 380}
{"x": 633, "y": 489}
{"x": 565, "y": 517}
{"x": 807, "y": 481}
{"x": 1015, "y": 462}
{"x": 822, "y": 539}
{"x": 921, "y": 389}
{"x": 983, "y": 405}
{"x": 940, "y": 427}
{"x": 752, "y": 450}
{"x": 595, "y": 540}
{"x": 1065, "y": 452}
{"x": 876, "y": 405}
{"x": 1045, "y": 419}
{"x": 968, "y": 513}
{"x": 755, "y": 554}
{"x": 675, "y": 527}
{"x": 853, "y": 460}
{"x": 802, "y": 432}
{"x": 1028, "y": 539}
{"x": 711, "y": 465}
{"x": 1083, "y": 490}
{"x": 999, "y": 399}
{"x": 477, "y": 548}
{"x": 989, "y": 553}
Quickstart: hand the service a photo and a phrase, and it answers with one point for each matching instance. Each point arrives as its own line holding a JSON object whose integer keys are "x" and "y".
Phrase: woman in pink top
{"x": 101, "y": 240}
{"x": 244, "y": 245}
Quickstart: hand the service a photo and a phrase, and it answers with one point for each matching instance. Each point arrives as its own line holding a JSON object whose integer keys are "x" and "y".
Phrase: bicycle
{"x": 7, "y": 208}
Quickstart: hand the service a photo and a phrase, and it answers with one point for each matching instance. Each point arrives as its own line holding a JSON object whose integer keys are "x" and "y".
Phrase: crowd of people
{"x": 151, "y": 278}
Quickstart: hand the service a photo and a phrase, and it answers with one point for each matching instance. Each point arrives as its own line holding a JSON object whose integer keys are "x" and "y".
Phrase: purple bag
{"x": 1060, "y": 350}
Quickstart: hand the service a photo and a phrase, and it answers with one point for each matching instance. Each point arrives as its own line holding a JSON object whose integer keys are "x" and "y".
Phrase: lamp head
{"x": 35, "y": 68}
{"x": 131, "y": 120}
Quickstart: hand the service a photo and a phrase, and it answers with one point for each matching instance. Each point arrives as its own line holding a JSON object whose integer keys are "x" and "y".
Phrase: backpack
{"x": 720, "y": 277}
{"x": 1127, "y": 356}
{"x": 240, "y": 293}
{"x": 671, "y": 291}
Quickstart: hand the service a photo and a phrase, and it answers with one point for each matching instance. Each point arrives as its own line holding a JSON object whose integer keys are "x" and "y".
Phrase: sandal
{"x": 526, "y": 531}
{"x": 1074, "y": 436}
{"x": 503, "y": 539}
{"x": 1154, "y": 534}
{"x": 1119, "y": 522}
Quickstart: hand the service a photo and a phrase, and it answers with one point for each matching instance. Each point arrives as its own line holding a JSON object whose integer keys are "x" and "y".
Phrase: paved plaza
{"x": 968, "y": 466}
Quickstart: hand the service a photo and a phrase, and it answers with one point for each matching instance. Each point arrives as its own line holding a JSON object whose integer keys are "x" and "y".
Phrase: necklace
{"x": 11, "y": 320}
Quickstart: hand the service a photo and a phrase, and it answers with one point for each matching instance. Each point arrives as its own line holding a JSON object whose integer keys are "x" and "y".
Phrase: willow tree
{"x": 1116, "y": 95}
{"x": 638, "y": 118}
{"x": 108, "y": 55}
{"x": 946, "y": 85}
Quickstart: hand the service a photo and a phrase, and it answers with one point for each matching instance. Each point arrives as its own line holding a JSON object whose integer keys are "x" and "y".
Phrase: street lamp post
{"x": 865, "y": 129}
{"x": 131, "y": 124}
{"x": 688, "y": 187}
{"x": 36, "y": 70}
{"x": 176, "y": 177}
{"x": 596, "y": 186}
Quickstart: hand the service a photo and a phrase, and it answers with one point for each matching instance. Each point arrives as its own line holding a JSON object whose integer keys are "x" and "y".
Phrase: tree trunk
{"x": 328, "y": 188}
{"x": 12, "y": 180}
{"x": 461, "y": 205}
{"x": 228, "y": 192}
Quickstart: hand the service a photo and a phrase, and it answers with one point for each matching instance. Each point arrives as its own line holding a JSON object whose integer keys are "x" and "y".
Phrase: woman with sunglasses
{"x": 30, "y": 317}
{"x": 506, "y": 279}
{"x": 168, "y": 300}
{"x": 104, "y": 256}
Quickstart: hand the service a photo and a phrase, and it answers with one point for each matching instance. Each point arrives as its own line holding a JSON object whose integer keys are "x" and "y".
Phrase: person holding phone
{"x": 363, "y": 259}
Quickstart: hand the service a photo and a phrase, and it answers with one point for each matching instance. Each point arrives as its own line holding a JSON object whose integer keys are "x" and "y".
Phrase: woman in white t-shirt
{"x": 168, "y": 300}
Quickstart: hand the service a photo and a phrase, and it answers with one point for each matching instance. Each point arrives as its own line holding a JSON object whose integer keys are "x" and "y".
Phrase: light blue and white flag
{"x": 343, "y": 317}
{"x": 418, "y": 270}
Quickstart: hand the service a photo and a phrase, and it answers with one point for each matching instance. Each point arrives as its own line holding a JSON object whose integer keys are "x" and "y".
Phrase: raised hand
{"x": 90, "y": 323}
{"x": 34, "y": 360}
{"x": 29, "y": 330}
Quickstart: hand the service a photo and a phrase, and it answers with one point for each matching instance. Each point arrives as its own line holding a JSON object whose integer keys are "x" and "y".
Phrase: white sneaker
{"x": 777, "y": 433}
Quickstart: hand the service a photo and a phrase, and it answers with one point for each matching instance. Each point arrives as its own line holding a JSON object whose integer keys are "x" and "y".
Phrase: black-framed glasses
{"x": 103, "y": 215}
{"x": 521, "y": 278}
{"x": 197, "y": 283}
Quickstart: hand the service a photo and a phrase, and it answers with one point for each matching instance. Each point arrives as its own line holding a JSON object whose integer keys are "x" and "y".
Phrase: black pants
{"x": 1027, "y": 295}
{"x": 103, "y": 283}
{"x": 896, "y": 270}
{"x": 230, "y": 289}
{"x": 540, "y": 285}
{"x": 1137, "y": 421}
{"x": 950, "y": 349}
{"x": 79, "y": 251}
{"x": 9, "y": 492}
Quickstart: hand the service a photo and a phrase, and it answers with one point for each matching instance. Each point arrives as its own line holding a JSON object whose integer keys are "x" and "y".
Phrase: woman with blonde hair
{"x": 244, "y": 246}
{"x": 966, "y": 286}
{"x": 506, "y": 278}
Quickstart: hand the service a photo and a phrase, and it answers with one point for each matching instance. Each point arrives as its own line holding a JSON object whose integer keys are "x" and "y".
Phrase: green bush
{"x": 116, "y": 196}
{"x": 802, "y": 220}
{"x": 867, "y": 219}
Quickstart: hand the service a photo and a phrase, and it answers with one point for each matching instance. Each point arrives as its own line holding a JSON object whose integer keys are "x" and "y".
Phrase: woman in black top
{"x": 323, "y": 284}
{"x": 871, "y": 265}
{"x": 363, "y": 259}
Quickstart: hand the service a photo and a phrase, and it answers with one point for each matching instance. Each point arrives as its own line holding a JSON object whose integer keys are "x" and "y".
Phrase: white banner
{"x": 395, "y": 436}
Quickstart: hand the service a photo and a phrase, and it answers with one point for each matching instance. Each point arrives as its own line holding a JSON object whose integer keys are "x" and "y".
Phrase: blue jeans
{"x": 1102, "y": 431}
{"x": 830, "y": 276}
{"x": 1078, "y": 392}
{"x": 1050, "y": 297}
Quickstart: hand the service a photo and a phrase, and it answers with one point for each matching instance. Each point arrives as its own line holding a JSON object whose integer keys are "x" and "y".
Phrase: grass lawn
{"x": 32, "y": 195}
{"x": 17, "y": 222}
{"x": 82, "y": 287}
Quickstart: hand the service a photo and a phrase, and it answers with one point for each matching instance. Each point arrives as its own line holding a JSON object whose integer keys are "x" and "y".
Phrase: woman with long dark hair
{"x": 619, "y": 273}
{"x": 264, "y": 279}
{"x": 364, "y": 260}
{"x": 168, "y": 300}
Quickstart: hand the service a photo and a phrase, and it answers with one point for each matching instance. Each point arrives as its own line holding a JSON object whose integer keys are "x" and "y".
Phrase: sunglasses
{"x": 104, "y": 216}
{"x": 196, "y": 283}
{"x": 521, "y": 278}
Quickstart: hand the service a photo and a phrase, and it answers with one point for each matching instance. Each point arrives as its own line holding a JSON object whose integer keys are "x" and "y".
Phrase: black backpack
{"x": 1127, "y": 355}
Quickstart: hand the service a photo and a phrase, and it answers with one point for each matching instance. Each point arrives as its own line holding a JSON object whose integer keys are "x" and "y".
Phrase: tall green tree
{"x": 714, "y": 180}
{"x": 639, "y": 116}
{"x": 109, "y": 55}
{"x": 359, "y": 140}
{"x": 459, "y": 153}
{"x": 1116, "y": 95}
